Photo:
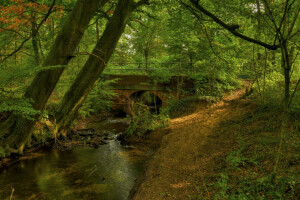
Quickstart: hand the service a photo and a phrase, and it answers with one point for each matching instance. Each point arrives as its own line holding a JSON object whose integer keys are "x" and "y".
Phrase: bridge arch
{"x": 152, "y": 99}
{"x": 124, "y": 99}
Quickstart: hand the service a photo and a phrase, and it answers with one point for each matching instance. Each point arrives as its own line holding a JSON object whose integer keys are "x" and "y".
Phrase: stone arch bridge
{"x": 129, "y": 87}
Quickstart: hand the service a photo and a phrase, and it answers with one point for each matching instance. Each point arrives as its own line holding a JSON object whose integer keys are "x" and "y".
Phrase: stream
{"x": 105, "y": 173}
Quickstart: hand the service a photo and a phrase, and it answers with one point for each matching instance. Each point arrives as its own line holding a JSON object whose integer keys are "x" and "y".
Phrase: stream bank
{"x": 90, "y": 165}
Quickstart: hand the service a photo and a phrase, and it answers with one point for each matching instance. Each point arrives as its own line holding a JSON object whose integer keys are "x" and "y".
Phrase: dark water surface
{"x": 106, "y": 173}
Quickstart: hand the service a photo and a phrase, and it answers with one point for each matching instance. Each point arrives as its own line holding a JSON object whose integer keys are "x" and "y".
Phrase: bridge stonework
{"x": 127, "y": 85}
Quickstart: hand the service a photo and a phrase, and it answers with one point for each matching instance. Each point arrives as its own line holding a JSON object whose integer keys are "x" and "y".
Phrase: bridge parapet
{"x": 143, "y": 82}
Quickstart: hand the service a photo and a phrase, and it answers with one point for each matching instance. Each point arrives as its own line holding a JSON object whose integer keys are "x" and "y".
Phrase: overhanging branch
{"x": 232, "y": 28}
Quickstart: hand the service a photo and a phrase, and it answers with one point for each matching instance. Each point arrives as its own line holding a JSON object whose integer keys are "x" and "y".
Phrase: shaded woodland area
{"x": 55, "y": 54}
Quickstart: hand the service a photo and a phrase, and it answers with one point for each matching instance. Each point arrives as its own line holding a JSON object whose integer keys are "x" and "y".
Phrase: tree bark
{"x": 95, "y": 64}
{"x": 34, "y": 33}
{"x": 287, "y": 77}
{"x": 45, "y": 81}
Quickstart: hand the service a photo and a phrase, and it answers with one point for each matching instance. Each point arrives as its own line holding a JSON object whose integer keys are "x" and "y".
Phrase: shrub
{"x": 100, "y": 99}
{"x": 143, "y": 121}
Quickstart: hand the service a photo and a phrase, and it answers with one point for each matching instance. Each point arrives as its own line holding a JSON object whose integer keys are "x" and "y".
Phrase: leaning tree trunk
{"x": 45, "y": 81}
{"x": 95, "y": 64}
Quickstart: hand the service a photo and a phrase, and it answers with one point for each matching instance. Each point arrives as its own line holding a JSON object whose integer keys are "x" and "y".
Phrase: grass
{"x": 249, "y": 171}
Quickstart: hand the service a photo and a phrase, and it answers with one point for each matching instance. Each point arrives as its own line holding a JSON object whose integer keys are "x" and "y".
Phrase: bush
{"x": 143, "y": 121}
{"x": 206, "y": 85}
{"x": 100, "y": 99}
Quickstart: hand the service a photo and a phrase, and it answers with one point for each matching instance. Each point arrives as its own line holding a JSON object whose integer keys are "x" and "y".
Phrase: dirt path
{"x": 185, "y": 164}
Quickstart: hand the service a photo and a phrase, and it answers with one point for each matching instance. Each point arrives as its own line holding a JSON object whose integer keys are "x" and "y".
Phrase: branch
{"x": 148, "y": 14}
{"x": 140, "y": 3}
{"x": 270, "y": 15}
{"x": 11, "y": 30}
{"x": 283, "y": 18}
{"x": 103, "y": 14}
{"x": 193, "y": 11}
{"x": 46, "y": 16}
{"x": 138, "y": 21}
{"x": 39, "y": 25}
{"x": 232, "y": 28}
{"x": 15, "y": 51}
{"x": 91, "y": 54}
{"x": 293, "y": 23}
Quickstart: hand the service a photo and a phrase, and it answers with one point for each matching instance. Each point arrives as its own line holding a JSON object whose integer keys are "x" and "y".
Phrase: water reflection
{"x": 106, "y": 173}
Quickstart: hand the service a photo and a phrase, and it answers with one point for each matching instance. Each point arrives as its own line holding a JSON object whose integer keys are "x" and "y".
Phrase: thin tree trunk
{"x": 94, "y": 66}
{"x": 97, "y": 30}
{"x": 34, "y": 33}
{"x": 146, "y": 54}
{"x": 41, "y": 49}
{"x": 45, "y": 81}
{"x": 15, "y": 43}
{"x": 287, "y": 78}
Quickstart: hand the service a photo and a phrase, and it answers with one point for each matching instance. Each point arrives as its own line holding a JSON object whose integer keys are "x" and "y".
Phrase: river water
{"x": 106, "y": 173}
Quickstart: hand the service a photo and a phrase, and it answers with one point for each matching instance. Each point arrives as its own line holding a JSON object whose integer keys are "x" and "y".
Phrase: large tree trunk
{"x": 95, "y": 64}
{"x": 45, "y": 81}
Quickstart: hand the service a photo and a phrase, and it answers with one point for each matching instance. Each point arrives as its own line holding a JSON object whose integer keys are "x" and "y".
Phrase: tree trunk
{"x": 94, "y": 66}
{"x": 15, "y": 43}
{"x": 45, "y": 81}
{"x": 34, "y": 33}
{"x": 287, "y": 77}
{"x": 146, "y": 54}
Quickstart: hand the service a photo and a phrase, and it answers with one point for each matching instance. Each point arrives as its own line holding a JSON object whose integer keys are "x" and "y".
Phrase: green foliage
{"x": 12, "y": 86}
{"x": 214, "y": 79}
{"x": 143, "y": 121}
{"x": 100, "y": 99}
{"x": 257, "y": 188}
{"x": 177, "y": 107}
{"x": 21, "y": 107}
{"x": 247, "y": 174}
{"x": 254, "y": 186}
{"x": 2, "y": 153}
{"x": 160, "y": 76}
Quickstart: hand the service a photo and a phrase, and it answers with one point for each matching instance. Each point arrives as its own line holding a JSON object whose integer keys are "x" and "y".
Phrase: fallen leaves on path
{"x": 191, "y": 151}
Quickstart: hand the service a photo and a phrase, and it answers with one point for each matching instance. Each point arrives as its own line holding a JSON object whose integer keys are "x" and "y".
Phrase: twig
{"x": 47, "y": 15}
{"x": 18, "y": 49}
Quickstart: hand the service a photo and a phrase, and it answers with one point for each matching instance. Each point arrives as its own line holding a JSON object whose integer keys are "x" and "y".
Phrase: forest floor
{"x": 211, "y": 152}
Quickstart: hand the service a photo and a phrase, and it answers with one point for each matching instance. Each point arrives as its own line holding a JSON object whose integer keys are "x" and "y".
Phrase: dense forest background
{"x": 55, "y": 53}
{"x": 159, "y": 39}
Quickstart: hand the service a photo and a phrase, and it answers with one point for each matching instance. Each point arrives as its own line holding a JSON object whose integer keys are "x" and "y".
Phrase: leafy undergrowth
{"x": 250, "y": 167}
{"x": 226, "y": 150}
